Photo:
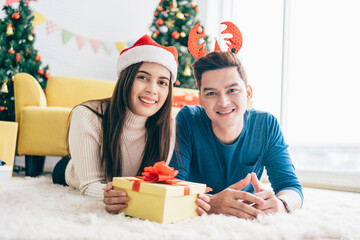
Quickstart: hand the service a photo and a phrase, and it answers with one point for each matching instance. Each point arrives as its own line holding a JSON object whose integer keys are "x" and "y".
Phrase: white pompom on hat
{"x": 147, "y": 50}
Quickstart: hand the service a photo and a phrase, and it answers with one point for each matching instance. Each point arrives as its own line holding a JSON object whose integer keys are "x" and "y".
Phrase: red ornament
{"x": 40, "y": 71}
{"x": 32, "y": 31}
{"x": 2, "y": 108}
{"x": 175, "y": 35}
{"x": 193, "y": 5}
{"x": 160, "y": 9}
{"x": 16, "y": 15}
{"x": 12, "y": 78}
{"x": 160, "y": 22}
{"x": 17, "y": 57}
{"x": 47, "y": 75}
{"x": 11, "y": 50}
{"x": 157, "y": 32}
{"x": 155, "y": 14}
{"x": 197, "y": 9}
{"x": 37, "y": 58}
{"x": 177, "y": 83}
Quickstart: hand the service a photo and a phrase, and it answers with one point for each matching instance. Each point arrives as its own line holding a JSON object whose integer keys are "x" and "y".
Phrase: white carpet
{"x": 34, "y": 208}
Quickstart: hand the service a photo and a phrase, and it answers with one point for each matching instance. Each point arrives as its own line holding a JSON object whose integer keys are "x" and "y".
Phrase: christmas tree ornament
{"x": 182, "y": 34}
{"x": 170, "y": 23}
{"x": 155, "y": 35}
{"x": 2, "y": 108}
{"x": 47, "y": 75}
{"x": 16, "y": 15}
{"x": 30, "y": 38}
{"x": 183, "y": 49}
{"x": 9, "y": 30}
{"x": 4, "y": 87}
{"x": 40, "y": 71}
{"x": 11, "y": 50}
{"x": 177, "y": 83}
{"x": 193, "y": 5}
{"x": 197, "y": 9}
{"x": 160, "y": 9}
{"x": 173, "y": 4}
{"x": 160, "y": 22}
{"x": 157, "y": 32}
{"x": 163, "y": 29}
{"x": 175, "y": 35}
{"x": 180, "y": 15}
{"x": 155, "y": 14}
{"x": 12, "y": 78}
{"x": 32, "y": 31}
{"x": 187, "y": 71}
{"x": 37, "y": 58}
{"x": 17, "y": 56}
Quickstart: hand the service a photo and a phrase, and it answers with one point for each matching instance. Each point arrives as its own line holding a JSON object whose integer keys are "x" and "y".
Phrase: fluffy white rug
{"x": 34, "y": 208}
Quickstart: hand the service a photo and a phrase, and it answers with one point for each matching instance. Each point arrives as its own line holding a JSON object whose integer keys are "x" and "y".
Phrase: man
{"x": 227, "y": 147}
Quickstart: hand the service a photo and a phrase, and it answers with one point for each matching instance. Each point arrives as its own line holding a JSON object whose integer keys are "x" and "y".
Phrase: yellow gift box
{"x": 163, "y": 203}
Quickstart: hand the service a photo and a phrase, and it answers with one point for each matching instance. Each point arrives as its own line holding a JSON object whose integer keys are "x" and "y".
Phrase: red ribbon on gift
{"x": 160, "y": 173}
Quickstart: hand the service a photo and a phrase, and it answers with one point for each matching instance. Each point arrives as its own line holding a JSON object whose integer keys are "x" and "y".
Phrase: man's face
{"x": 224, "y": 97}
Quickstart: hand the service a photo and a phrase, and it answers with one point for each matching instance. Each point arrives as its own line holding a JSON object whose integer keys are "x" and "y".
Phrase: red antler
{"x": 196, "y": 50}
{"x": 236, "y": 39}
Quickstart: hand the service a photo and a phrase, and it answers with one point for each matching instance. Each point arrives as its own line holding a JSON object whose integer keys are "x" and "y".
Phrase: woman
{"x": 121, "y": 135}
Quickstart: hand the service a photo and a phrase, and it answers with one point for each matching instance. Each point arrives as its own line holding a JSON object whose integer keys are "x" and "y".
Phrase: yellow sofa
{"x": 43, "y": 115}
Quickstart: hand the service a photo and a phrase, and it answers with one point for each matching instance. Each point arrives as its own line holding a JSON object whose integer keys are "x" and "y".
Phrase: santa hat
{"x": 146, "y": 50}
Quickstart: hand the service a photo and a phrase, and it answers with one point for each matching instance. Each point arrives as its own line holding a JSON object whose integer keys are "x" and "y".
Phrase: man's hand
{"x": 272, "y": 203}
{"x": 233, "y": 201}
{"x": 115, "y": 200}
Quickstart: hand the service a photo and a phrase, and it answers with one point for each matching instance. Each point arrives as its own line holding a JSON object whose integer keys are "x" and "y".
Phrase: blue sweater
{"x": 201, "y": 157}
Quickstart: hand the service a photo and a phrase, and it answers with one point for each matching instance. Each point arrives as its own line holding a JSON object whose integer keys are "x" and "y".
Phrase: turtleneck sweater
{"x": 85, "y": 143}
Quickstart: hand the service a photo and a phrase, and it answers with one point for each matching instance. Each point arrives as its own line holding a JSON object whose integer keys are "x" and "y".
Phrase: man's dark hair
{"x": 217, "y": 60}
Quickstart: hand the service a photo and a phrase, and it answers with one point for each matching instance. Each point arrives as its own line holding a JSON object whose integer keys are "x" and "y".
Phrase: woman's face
{"x": 150, "y": 89}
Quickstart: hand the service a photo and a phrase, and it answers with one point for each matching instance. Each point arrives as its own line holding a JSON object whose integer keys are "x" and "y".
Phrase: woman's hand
{"x": 114, "y": 200}
{"x": 203, "y": 203}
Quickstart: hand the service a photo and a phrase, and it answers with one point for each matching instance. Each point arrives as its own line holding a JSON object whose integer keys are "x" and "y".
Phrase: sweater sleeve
{"x": 277, "y": 161}
{"x": 85, "y": 144}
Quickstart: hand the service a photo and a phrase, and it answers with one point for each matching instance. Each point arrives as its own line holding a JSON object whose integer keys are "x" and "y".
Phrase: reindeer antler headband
{"x": 234, "y": 43}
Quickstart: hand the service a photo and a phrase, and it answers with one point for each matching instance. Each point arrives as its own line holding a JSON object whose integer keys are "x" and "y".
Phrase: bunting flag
{"x": 107, "y": 47}
{"x": 38, "y": 19}
{"x": 51, "y": 27}
{"x": 11, "y": 1}
{"x": 80, "y": 41}
{"x": 66, "y": 35}
{"x": 120, "y": 45}
{"x": 95, "y": 44}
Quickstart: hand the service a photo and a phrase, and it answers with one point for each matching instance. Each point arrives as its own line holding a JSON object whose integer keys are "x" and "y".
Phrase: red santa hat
{"x": 146, "y": 50}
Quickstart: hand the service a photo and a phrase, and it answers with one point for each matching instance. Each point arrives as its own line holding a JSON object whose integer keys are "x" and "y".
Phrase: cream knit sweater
{"x": 85, "y": 142}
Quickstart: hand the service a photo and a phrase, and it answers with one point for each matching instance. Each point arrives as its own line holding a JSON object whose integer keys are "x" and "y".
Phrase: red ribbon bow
{"x": 160, "y": 173}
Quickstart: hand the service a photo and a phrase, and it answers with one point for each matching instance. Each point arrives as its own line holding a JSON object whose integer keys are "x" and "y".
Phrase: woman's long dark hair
{"x": 113, "y": 112}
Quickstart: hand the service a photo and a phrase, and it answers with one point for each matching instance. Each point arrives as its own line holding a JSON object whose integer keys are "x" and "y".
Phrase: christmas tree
{"x": 17, "y": 54}
{"x": 173, "y": 21}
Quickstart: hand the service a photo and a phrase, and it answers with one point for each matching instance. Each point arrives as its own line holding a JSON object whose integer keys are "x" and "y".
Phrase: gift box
{"x": 159, "y": 201}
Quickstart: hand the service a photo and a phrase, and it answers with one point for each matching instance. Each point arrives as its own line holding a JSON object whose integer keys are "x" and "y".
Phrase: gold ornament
{"x": 30, "y": 38}
{"x": 4, "y": 88}
{"x": 9, "y": 30}
{"x": 170, "y": 23}
{"x": 187, "y": 71}
{"x": 182, "y": 34}
{"x": 180, "y": 15}
{"x": 154, "y": 35}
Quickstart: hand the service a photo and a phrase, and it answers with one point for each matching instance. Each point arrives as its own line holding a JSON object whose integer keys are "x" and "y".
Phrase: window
{"x": 320, "y": 50}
